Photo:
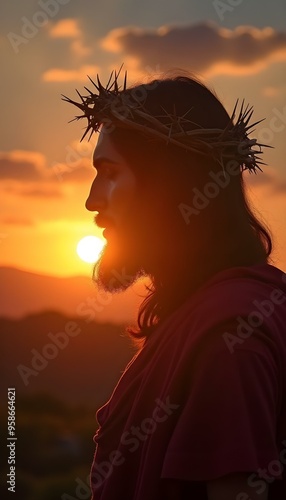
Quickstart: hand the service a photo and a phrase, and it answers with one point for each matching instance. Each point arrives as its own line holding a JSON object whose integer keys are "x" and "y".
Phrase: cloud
{"x": 261, "y": 179}
{"x": 280, "y": 187}
{"x": 21, "y": 165}
{"x": 17, "y": 221}
{"x": 70, "y": 29}
{"x": 77, "y": 166}
{"x": 269, "y": 179}
{"x": 77, "y": 172}
{"x": 33, "y": 190}
{"x": 41, "y": 192}
{"x": 272, "y": 91}
{"x": 79, "y": 49}
{"x": 30, "y": 168}
{"x": 65, "y": 28}
{"x": 203, "y": 48}
{"x": 70, "y": 75}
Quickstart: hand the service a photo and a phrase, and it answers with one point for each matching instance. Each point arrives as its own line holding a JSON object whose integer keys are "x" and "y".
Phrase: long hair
{"x": 224, "y": 233}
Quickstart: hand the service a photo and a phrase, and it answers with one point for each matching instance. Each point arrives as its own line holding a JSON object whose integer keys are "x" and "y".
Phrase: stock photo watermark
{"x": 246, "y": 326}
{"x": 258, "y": 480}
{"x": 73, "y": 159}
{"x": 75, "y": 154}
{"x": 40, "y": 360}
{"x": 60, "y": 340}
{"x": 277, "y": 124}
{"x": 129, "y": 442}
{"x": 223, "y": 8}
{"x": 11, "y": 439}
{"x": 220, "y": 180}
{"x": 202, "y": 199}
{"x": 31, "y": 27}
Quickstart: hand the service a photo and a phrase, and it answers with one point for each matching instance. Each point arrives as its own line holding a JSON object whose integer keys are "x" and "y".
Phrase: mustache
{"x": 103, "y": 221}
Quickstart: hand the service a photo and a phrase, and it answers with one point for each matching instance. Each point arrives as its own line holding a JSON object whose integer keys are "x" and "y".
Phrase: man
{"x": 200, "y": 411}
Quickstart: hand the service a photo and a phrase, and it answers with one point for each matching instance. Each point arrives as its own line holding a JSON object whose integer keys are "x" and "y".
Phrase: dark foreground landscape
{"x": 63, "y": 369}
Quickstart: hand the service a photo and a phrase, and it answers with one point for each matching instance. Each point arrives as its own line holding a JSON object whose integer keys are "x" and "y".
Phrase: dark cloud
{"x": 259, "y": 179}
{"x": 30, "y": 168}
{"x": 33, "y": 190}
{"x": 41, "y": 192}
{"x": 17, "y": 221}
{"x": 79, "y": 175}
{"x": 280, "y": 187}
{"x": 23, "y": 170}
{"x": 199, "y": 47}
{"x": 272, "y": 181}
{"x": 79, "y": 171}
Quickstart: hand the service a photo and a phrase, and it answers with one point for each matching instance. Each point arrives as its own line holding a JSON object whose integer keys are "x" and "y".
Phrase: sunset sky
{"x": 47, "y": 49}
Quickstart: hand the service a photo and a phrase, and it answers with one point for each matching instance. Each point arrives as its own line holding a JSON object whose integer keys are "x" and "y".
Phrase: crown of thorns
{"x": 111, "y": 105}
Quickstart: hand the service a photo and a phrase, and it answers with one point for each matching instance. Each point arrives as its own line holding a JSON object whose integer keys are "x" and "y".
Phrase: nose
{"x": 95, "y": 201}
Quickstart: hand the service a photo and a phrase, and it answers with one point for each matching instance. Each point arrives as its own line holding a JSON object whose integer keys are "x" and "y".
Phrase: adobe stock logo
{"x": 130, "y": 441}
{"x": 259, "y": 479}
{"x": 201, "y": 199}
{"x": 31, "y": 27}
{"x": 73, "y": 159}
{"x": 222, "y": 7}
{"x": 247, "y": 325}
{"x": 40, "y": 360}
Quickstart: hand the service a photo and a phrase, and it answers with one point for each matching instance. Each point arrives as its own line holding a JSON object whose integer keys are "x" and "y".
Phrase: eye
{"x": 109, "y": 172}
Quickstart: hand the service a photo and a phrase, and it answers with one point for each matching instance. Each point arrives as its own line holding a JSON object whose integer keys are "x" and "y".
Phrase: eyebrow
{"x": 99, "y": 160}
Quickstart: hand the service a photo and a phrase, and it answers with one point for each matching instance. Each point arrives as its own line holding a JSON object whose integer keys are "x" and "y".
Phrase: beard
{"x": 143, "y": 245}
{"x": 123, "y": 260}
{"x": 119, "y": 265}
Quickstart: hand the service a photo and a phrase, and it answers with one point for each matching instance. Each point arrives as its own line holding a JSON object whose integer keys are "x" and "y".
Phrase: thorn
{"x": 115, "y": 82}
{"x": 109, "y": 80}
{"x": 89, "y": 91}
{"x": 80, "y": 96}
{"x": 86, "y": 132}
{"x": 187, "y": 112}
{"x": 100, "y": 86}
{"x": 125, "y": 81}
{"x": 90, "y": 135}
{"x": 93, "y": 83}
{"x": 234, "y": 111}
{"x": 76, "y": 118}
{"x": 120, "y": 70}
{"x": 249, "y": 127}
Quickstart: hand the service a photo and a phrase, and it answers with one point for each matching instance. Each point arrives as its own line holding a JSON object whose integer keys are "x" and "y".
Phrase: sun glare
{"x": 89, "y": 248}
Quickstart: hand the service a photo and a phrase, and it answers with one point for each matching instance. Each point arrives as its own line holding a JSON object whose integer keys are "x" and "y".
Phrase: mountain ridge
{"x": 25, "y": 292}
{"x": 64, "y": 356}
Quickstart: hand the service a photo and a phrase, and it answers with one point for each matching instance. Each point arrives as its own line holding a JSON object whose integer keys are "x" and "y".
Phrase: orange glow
{"x": 234, "y": 69}
{"x": 69, "y": 75}
{"x": 65, "y": 28}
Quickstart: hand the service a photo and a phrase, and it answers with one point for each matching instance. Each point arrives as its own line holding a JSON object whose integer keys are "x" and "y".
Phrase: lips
{"x": 104, "y": 223}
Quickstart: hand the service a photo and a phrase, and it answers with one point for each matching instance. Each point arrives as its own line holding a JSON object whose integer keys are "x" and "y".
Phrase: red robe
{"x": 205, "y": 397}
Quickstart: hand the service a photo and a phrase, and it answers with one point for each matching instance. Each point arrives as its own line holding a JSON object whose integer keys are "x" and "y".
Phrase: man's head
{"x": 136, "y": 210}
{"x": 113, "y": 197}
{"x": 159, "y": 147}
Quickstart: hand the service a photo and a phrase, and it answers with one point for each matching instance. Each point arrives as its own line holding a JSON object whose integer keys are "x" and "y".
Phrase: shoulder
{"x": 255, "y": 294}
{"x": 239, "y": 309}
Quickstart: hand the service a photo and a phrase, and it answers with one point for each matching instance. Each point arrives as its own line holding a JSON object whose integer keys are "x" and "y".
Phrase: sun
{"x": 89, "y": 248}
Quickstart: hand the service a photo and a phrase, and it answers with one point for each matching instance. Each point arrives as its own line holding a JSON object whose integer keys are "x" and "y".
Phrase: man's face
{"x": 113, "y": 196}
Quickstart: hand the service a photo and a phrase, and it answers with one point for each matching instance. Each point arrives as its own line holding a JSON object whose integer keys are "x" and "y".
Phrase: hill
{"x": 75, "y": 360}
{"x": 25, "y": 293}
